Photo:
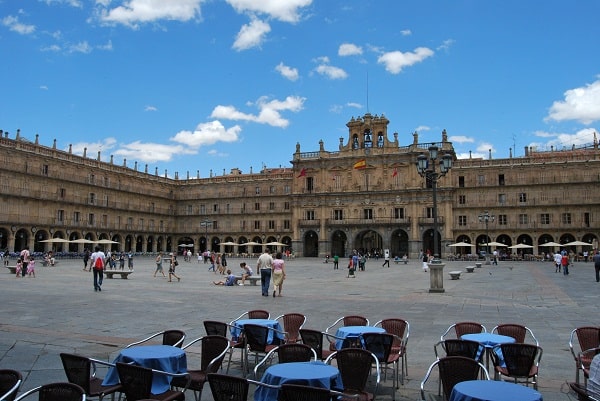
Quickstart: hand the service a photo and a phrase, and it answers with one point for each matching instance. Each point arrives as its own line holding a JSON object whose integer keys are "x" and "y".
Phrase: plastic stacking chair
{"x": 169, "y": 337}
{"x": 518, "y": 361}
{"x": 292, "y": 323}
{"x": 56, "y": 392}
{"x": 401, "y": 329}
{"x": 462, "y": 328}
{"x": 516, "y": 331}
{"x": 289, "y": 352}
{"x": 10, "y": 383}
{"x": 137, "y": 383}
{"x": 452, "y": 370}
{"x": 81, "y": 370}
{"x": 581, "y": 339}
{"x": 213, "y": 350}
{"x": 355, "y": 366}
{"x": 315, "y": 338}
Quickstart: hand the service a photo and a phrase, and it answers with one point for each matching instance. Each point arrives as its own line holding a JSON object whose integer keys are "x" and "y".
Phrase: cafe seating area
{"x": 281, "y": 359}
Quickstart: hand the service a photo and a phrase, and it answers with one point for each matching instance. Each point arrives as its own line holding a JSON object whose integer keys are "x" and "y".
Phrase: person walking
{"x": 596, "y": 260}
{"x": 336, "y": 262}
{"x": 25, "y": 255}
{"x": 386, "y": 260}
{"x": 172, "y": 266}
{"x": 86, "y": 259}
{"x": 97, "y": 267}
{"x": 278, "y": 273}
{"x": 159, "y": 266}
{"x": 31, "y": 267}
{"x": 265, "y": 266}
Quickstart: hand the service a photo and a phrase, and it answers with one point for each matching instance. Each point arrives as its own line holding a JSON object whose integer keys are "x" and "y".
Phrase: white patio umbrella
{"x": 275, "y": 244}
{"x": 105, "y": 241}
{"x": 521, "y": 246}
{"x": 228, "y": 243}
{"x": 494, "y": 243}
{"x": 459, "y": 244}
{"x": 81, "y": 241}
{"x": 551, "y": 243}
{"x": 56, "y": 240}
{"x": 577, "y": 243}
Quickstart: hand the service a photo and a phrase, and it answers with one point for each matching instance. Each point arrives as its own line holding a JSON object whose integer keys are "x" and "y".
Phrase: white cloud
{"x": 581, "y": 104}
{"x": 460, "y": 139}
{"x": 422, "y": 128}
{"x": 331, "y": 72}
{"x": 395, "y": 61}
{"x": 72, "y": 3}
{"x": 282, "y": 10}
{"x": 485, "y": 147}
{"x": 151, "y": 152}
{"x": 354, "y": 105}
{"x": 287, "y": 72}
{"x": 43, "y": 87}
{"x": 13, "y": 24}
{"x": 446, "y": 44}
{"x": 133, "y": 12}
{"x": 150, "y": 108}
{"x": 471, "y": 155}
{"x": 269, "y": 111}
{"x": 108, "y": 46}
{"x": 406, "y": 32}
{"x": 207, "y": 134}
{"x": 561, "y": 141}
{"x": 251, "y": 35}
{"x": 51, "y": 48}
{"x": 81, "y": 47}
{"x": 349, "y": 49}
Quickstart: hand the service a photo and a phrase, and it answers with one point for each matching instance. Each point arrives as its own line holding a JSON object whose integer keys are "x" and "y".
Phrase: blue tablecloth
{"x": 354, "y": 332}
{"x": 491, "y": 390}
{"x": 316, "y": 374}
{"x": 274, "y": 324}
{"x": 488, "y": 341}
{"x": 160, "y": 357}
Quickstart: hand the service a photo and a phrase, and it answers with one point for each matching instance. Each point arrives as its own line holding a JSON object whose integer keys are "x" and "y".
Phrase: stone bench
{"x": 124, "y": 273}
{"x": 455, "y": 275}
{"x": 478, "y": 264}
{"x": 252, "y": 279}
{"x": 13, "y": 269}
{"x": 470, "y": 269}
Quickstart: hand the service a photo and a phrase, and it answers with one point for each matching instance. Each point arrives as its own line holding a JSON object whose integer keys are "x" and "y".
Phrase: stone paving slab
{"x": 59, "y": 311}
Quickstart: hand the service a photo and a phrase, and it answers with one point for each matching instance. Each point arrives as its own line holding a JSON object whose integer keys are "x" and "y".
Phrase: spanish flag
{"x": 302, "y": 173}
{"x": 395, "y": 172}
{"x": 360, "y": 164}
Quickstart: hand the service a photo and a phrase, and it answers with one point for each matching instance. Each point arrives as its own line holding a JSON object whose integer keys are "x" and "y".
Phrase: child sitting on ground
{"x": 229, "y": 280}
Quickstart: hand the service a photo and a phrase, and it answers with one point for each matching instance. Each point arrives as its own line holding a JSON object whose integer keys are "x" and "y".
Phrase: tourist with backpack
{"x": 98, "y": 267}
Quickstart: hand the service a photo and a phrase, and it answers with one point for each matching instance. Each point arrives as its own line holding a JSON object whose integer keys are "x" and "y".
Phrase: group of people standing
{"x": 173, "y": 263}
{"x": 271, "y": 268}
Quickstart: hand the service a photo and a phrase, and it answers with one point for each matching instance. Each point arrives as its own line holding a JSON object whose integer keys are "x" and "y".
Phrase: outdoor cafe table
{"x": 315, "y": 374}
{"x": 238, "y": 325}
{"x": 160, "y": 357}
{"x": 492, "y": 390}
{"x": 353, "y": 332}
{"x": 488, "y": 341}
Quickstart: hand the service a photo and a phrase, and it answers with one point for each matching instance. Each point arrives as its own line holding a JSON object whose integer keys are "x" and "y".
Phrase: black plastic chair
{"x": 56, "y": 392}
{"x": 315, "y": 338}
{"x": 10, "y": 383}
{"x": 81, "y": 370}
{"x": 452, "y": 370}
{"x": 169, "y": 337}
{"x": 355, "y": 366}
{"x": 137, "y": 383}
{"x": 286, "y": 353}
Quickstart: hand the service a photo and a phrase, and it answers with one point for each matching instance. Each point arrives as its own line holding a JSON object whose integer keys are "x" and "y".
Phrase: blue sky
{"x": 201, "y": 85}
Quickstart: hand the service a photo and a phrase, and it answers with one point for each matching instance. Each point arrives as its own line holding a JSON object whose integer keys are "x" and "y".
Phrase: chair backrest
{"x": 295, "y": 352}
{"x": 136, "y": 381}
{"x": 10, "y": 382}
{"x": 78, "y": 370}
{"x": 457, "y": 347}
{"x": 228, "y": 388}
{"x": 214, "y": 349}
{"x": 587, "y": 337}
{"x": 463, "y": 328}
{"x": 313, "y": 338}
{"x": 256, "y": 337}
{"x": 292, "y": 323}
{"x": 355, "y": 366}
{"x": 379, "y": 344}
{"x": 297, "y": 392}
{"x": 397, "y": 327}
{"x": 456, "y": 369}
{"x": 215, "y": 328}
{"x": 355, "y": 320}
{"x": 56, "y": 392}
{"x": 258, "y": 314}
{"x": 173, "y": 337}
{"x": 519, "y": 358}
{"x": 516, "y": 331}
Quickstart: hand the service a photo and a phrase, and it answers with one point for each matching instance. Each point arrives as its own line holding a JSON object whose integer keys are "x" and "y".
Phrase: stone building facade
{"x": 365, "y": 195}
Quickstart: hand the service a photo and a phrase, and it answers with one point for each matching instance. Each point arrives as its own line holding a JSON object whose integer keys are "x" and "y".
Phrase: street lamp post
{"x": 486, "y": 217}
{"x": 205, "y": 224}
{"x": 426, "y": 168}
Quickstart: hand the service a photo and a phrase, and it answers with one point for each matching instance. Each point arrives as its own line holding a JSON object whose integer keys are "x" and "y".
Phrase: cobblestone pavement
{"x": 59, "y": 311}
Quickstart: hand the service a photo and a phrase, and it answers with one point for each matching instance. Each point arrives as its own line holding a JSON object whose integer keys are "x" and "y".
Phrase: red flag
{"x": 302, "y": 173}
{"x": 360, "y": 164}
{"x": 395, "y": 172}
